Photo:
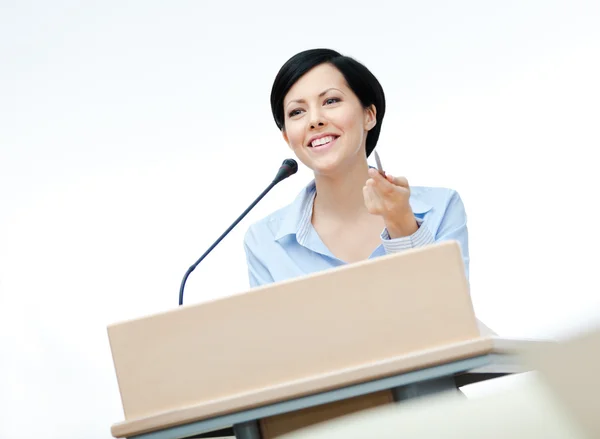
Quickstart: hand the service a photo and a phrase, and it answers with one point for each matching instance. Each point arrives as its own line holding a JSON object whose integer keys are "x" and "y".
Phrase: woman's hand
{"x": 388, "y": 197}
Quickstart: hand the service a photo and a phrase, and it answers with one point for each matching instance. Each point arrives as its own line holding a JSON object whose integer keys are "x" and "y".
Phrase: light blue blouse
{"x": 285, "y": 245}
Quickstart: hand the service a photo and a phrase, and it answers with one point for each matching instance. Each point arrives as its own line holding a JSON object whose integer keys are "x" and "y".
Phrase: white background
{"x": 133, "y": 133}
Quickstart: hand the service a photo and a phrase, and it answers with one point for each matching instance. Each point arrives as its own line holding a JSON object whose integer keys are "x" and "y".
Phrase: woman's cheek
{"x": 296, "y": 137}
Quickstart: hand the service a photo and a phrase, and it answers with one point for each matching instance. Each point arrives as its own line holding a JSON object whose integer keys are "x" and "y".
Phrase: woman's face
{"x": 325, "y": 124}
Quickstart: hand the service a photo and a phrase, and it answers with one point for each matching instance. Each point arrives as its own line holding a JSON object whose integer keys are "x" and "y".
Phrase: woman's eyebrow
{"x": 302, "y": 101}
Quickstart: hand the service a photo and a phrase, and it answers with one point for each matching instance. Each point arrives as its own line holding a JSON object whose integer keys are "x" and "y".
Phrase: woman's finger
{"x": 398, "y": 181}
{"x": 381, "y": 183}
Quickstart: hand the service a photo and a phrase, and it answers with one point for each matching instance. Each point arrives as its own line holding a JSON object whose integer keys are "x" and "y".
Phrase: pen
{"x": 378, "y": 161}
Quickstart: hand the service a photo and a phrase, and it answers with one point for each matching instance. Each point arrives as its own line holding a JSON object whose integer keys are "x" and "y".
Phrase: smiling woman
{"x": 330, "y": 109}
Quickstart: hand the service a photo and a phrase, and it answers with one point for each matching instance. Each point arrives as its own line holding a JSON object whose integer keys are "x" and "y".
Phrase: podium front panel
{"x": 292, "y": 331}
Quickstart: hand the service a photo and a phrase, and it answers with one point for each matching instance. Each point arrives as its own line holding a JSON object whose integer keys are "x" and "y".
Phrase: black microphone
{"x": 288, "y": 168}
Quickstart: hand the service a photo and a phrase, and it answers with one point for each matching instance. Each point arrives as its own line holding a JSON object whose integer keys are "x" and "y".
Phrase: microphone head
{"x": 287, "y": 168}
{"x": 291, "y": 163}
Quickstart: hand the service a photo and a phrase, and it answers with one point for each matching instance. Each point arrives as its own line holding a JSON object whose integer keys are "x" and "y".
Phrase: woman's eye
{"x": 330, "y": 101}
{"x": 294, "y": 113}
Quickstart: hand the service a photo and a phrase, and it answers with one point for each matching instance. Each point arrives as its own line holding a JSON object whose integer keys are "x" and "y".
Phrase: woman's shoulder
{"x": 269, "y": 223}
{"x": 439, "y": 199}
{"x": 284, "y": 220}
{"x": 433, "y": 193}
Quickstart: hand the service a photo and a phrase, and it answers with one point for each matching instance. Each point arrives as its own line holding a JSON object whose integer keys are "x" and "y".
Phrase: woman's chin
{"x": 329, "y": 164}
{"x": 326, "y": 167}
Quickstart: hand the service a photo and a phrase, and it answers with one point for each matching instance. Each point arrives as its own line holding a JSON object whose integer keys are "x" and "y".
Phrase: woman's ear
{"x": 370, "y": 117}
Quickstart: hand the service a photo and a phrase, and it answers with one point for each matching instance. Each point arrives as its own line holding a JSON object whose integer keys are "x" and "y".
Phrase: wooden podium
{"x": 284, "y": 356}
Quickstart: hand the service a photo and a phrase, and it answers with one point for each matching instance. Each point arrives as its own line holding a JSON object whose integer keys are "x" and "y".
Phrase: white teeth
{"x": 322, "y": 141}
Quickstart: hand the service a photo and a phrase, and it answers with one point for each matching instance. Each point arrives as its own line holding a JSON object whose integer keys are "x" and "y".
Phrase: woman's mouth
{"x": 322, "y": 143}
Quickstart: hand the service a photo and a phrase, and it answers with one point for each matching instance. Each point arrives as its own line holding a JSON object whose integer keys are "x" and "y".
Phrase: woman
{"x": 330, "y": 109}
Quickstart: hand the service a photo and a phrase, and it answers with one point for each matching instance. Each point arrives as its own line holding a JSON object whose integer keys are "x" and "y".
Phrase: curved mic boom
{"x": 288, "y": 167}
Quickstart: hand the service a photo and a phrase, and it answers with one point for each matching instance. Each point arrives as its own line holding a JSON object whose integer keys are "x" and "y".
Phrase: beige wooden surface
{"x": 357, "y": 322}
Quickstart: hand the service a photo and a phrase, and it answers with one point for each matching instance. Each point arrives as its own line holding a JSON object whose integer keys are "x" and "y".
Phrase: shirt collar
{"x": 297, "y": 219}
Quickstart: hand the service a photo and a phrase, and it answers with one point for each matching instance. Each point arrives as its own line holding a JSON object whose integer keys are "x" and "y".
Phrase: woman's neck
{"x": 341, "y": 195}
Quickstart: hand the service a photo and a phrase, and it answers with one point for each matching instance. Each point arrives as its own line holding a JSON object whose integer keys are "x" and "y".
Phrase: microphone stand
{"x": 288, "y": 168}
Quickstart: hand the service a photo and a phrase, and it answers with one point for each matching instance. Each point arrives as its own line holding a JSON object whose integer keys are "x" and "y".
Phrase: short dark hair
{"x": 362, "y": 82}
